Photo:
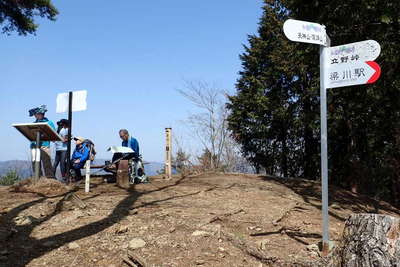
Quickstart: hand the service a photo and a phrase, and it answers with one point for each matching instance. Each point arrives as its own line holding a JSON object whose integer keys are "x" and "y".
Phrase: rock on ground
{"x": 136, "y": 243}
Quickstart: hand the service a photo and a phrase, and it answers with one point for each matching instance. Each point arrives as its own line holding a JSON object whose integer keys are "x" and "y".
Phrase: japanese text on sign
{"x": 352, "y": 74}
{"x": 362, "y": 51}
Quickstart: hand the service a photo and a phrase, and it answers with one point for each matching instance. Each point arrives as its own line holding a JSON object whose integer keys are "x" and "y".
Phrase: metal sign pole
{"x": 69, "y": 135}
{"x": 364, "y": 72}
{"x": 324, "y": 147}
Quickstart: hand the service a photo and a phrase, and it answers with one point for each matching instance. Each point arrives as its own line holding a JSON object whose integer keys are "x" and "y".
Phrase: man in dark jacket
{"x": 79, "y": 157}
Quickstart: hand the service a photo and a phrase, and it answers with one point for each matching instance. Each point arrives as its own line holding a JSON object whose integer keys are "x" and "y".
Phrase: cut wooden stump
{"x": 368, "y": 240}
{"x": 123, "y": 174}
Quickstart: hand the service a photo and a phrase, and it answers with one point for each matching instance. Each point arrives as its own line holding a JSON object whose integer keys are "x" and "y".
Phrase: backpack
{"x": 89, "y": 144}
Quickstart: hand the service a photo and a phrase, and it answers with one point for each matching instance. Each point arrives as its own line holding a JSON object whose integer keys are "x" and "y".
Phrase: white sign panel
{"x": 363, "y": 51}
{"x": 120, "y": 149}
{"x": 305, "y": 32}
{"x": 78, "y": 101}
{"x": 352, "y": 74}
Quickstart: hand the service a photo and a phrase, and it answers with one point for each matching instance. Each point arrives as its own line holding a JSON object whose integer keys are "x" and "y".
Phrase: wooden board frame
{"x": 29, "y": 130}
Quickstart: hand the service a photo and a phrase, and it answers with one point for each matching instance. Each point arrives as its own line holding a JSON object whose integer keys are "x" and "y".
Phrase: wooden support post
{"x": 37, "y": 156}
{"x": 87, "y": 178}
{"x": 168, "y": 150}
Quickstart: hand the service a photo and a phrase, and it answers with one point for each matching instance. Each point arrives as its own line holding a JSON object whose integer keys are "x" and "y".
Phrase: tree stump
{"x": 123, "y": 174}
{"x": 368, "y": 240}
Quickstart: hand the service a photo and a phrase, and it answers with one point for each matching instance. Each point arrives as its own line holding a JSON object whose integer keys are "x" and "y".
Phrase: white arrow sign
{"x": 352, "y": 74}
{"x": 363, "y": 51}
{"x": 305, "y": 32}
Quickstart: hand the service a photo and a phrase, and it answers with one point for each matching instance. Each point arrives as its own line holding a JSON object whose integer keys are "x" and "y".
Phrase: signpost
{"x": 305, "y": 32}
{"x": 352, "y": 74}
{"x": 362, "y": 51}
{"x": 345, "y": 65}
{"x": 69, "y": 102}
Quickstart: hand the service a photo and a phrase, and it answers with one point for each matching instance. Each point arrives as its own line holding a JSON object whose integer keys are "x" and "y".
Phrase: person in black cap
{"x": 61, "y": 149}
{"x": 45, "y": 153}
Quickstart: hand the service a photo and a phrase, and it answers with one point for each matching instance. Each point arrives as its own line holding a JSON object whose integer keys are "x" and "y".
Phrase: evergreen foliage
{"x": 10, "y": 178}
{"x": 275, "y": 112}
{"x": 19, "y": 15}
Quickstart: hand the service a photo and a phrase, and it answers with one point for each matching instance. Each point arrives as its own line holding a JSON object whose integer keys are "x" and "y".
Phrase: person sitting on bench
{"x": 127, "y": 141}
{"x": 79, "y": 157}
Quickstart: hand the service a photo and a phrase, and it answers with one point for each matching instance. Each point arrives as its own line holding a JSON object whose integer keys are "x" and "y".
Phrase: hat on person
{"x": 63, "y": 122}
{"x": 41, "y": 109}
{"x": 79, "y": 138}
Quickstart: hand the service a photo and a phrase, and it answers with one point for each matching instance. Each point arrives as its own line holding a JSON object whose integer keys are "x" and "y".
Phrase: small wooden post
{"x": 87, "y": 178}
{"x": 168, "y": 150}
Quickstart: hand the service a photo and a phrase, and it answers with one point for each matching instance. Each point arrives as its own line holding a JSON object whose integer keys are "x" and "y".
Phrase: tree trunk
{"x": 368, "y": 240}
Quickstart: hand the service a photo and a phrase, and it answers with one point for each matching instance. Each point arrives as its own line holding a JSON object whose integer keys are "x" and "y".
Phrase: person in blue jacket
{"x": 45, "y": 152}
{"x": 127, "y": 141}
{"x": 79, "y": 157}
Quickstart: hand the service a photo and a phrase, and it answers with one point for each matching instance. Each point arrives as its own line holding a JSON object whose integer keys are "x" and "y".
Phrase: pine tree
{"x": 275, "y": 113}
{"x": 19, "y": 15}
{"x": 272, "y": 114}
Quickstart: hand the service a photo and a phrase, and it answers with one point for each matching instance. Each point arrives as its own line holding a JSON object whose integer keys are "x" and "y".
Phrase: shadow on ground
{"x": 34, "y": 248}
{"x": 310, "y": 192}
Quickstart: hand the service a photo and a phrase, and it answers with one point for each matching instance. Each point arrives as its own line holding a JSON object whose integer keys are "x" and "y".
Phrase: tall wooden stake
{"x": 168, "y": 149}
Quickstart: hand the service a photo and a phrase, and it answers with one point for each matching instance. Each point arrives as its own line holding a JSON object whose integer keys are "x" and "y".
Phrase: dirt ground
{"x": 204, "y": 220}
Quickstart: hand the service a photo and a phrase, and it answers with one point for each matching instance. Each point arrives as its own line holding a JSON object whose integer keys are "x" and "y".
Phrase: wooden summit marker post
{"x": 340, "y": 66}
{"x": 168, "y": 148}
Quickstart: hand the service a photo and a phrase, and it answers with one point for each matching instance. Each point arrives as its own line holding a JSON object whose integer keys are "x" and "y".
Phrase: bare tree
{"x": 181, "y": 158}
{"x": 210, "y": 126}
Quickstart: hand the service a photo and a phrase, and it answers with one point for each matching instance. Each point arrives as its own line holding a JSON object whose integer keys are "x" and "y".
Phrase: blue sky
{"x": 130, "y": 56}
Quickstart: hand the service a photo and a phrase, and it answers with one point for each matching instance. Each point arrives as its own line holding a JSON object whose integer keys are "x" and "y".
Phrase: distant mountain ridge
{"x": 24, "y": 167}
